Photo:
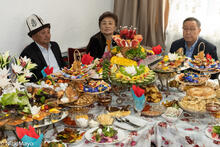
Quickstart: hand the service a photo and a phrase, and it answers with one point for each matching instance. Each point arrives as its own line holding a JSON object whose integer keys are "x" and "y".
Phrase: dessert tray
{"x": 95, "y": 87}
{"x": 213, "y": 68}
{"x": 49, "y": 122}
{"x": 78, "y": 77}
{"x": 170, "y": 63}
{"x": 192, "y": 78}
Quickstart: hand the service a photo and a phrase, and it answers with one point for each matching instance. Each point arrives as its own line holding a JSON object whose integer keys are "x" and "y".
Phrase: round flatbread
{"x": 201, "y": 92}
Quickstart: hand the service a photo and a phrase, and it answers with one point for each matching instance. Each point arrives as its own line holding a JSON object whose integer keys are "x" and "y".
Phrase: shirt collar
{"x": 193, "y": 46}
{"x": 42, "y": 49}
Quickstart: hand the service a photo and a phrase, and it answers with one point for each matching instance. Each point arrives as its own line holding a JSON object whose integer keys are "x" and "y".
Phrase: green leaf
{"x": 216, "y": 129}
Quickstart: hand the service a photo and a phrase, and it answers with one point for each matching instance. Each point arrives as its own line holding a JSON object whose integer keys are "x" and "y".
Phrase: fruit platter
{"x": 191, "y": 78}
{"x": 105, "y": 135}
{"x": 129, "y": 44}
{"x": 170, "y": 63}
{"x": 129, "y": 75}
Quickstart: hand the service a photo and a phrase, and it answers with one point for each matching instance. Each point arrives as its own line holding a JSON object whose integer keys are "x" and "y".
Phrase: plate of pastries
{"x": 204, "y": 63}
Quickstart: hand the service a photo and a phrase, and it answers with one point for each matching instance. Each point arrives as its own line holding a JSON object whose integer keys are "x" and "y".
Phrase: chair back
{"x": 71, "y": 54}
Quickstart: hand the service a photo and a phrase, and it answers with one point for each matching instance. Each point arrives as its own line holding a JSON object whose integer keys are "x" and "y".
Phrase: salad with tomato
{"x": 104, "y": 134}
{"x": 214, "y": 131}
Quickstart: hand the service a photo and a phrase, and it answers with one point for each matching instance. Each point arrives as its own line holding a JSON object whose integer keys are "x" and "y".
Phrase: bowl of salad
{"x": 105, "y": 135}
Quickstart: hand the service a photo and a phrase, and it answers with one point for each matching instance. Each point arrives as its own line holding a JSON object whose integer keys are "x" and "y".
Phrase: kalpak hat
{"x": 35, "y": 24}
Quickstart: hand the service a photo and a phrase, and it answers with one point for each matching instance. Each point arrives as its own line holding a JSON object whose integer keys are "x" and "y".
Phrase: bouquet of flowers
{"x": 14, "y": 71}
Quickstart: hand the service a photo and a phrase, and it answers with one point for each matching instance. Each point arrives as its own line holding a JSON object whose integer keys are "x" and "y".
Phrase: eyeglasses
{"x": 189, "y": 29}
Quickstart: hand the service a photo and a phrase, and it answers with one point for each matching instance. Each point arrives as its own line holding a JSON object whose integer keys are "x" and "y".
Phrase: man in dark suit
{"x": 42, "y": 51}
{"x": 191, "y": 40}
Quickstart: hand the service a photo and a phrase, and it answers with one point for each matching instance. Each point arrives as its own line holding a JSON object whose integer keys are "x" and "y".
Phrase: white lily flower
{"x": 17, "y": 85}
{"x": 131, "y": 70}
{"x": 17, "y": 68}
{"x": 172, "y": 57}
{"x": 4, "y": 73}
{"x": 25, "y": 59}
{"x": 27, "y": 73}
{"x": 4, "y": 82}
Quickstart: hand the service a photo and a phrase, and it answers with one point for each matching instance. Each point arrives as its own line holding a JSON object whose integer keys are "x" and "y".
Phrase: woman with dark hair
{"x": 102, "y": 41}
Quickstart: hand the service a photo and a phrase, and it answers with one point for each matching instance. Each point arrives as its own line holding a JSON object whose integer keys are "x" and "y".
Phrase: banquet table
{"x": 187, "y": 131}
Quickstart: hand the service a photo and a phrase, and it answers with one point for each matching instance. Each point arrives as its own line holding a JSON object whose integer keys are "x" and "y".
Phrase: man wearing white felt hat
{"x": 42, "y": 51}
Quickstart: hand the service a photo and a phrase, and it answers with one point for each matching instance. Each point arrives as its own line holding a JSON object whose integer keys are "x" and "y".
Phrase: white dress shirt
{"x": 49, "y": 57}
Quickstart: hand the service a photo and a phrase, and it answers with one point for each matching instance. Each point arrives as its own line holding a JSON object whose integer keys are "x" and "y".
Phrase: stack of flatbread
{"x": 197, "y": 97}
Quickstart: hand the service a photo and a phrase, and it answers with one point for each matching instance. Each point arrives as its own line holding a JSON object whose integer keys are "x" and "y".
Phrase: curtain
{"x": 148, "y": 16}
{"x": 207, "y": 11}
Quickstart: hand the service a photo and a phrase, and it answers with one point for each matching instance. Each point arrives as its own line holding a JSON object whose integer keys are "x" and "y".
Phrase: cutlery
{"x": 127, "y": 122}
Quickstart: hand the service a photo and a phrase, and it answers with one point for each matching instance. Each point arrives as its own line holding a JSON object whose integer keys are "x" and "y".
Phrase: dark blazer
{"x": 209, "y": 48}
{"x": 33, "y": 52}
{"x": 97, "y": 44}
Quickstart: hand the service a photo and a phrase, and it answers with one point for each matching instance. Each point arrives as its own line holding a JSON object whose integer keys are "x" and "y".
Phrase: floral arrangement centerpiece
{"x": 122, "y": 65}
{"x": 14, "y": 72}
{"x": 128, "y": 43}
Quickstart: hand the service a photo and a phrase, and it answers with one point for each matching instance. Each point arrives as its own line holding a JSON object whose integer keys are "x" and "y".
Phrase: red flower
{"x": 87, "y": 59}
{"x": 208, "y": 57}
{"x": 157, "y": 49}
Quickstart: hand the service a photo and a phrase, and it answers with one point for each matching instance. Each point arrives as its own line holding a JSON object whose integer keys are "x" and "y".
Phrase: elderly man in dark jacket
{"x": 42, "y": 51}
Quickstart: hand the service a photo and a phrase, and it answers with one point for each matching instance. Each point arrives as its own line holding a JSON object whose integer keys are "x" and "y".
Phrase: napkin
{"x": 32, "y": 142}
{"x": 21, "y": 132}
{"x": 157, "y": 49}
{"x": 87, "y": 59}
{"x": 138, "y": 91}
{"x": 47, "y": 71}
{"x": 29, "y": 137}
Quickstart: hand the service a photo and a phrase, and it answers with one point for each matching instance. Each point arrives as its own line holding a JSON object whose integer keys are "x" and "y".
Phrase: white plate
{"x": 135, "y": 120}
{"x": 65, "y": 114}
{"x": 121, "y": 136}
{"x": 209, "y": 134}
{"x": 65, "y": 144}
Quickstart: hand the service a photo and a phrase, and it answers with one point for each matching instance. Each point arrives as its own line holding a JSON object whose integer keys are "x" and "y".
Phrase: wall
{"x": 73, "y": 22}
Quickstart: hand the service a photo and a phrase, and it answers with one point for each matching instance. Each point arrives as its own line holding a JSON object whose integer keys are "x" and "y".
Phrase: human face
{"x": 190, "y": 31}
{"x": 42, "y": 37}
{"x": 107, "y": 26}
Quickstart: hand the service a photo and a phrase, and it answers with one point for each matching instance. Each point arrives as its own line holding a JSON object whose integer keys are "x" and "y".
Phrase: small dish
{"x": 172, "y": 117}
